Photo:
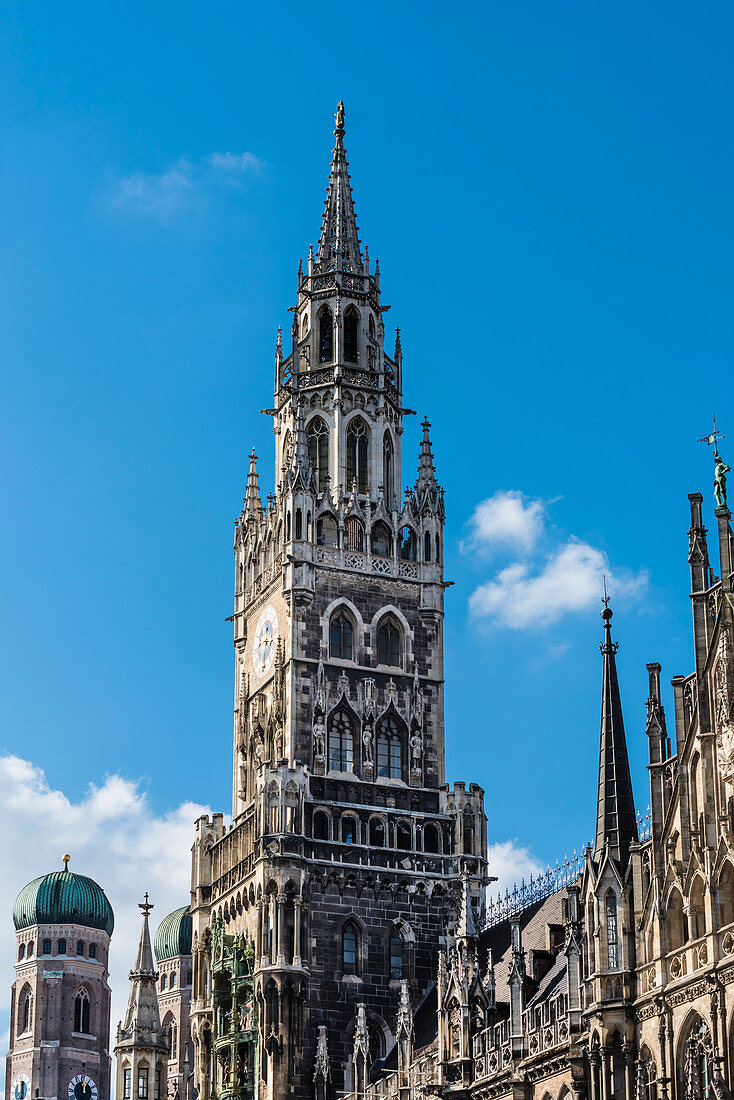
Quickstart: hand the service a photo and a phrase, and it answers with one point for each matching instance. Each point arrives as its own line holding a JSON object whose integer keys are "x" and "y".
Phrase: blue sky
{"x": 548, "y": 189}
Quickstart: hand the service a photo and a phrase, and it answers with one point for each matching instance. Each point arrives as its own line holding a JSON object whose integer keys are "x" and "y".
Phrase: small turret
{"x": 252, "y": 506}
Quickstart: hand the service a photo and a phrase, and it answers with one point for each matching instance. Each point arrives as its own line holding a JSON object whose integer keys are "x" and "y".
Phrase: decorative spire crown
{"x": 616, "y": 820}
{"x": 339, "y": 246}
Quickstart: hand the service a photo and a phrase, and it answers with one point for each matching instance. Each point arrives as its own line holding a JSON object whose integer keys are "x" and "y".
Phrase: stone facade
{"x": 59, "y": 1013}
{"x": 342, "y": 866}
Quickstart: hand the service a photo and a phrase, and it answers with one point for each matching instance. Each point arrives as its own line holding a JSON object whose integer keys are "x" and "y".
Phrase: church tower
{"x": 342, "y": 869}
{"x": 142, "y": 1050}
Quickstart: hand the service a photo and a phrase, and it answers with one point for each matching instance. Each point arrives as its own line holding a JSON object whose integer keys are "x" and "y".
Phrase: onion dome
{"x": 63, "y": 898}
{"x": 174, "y": 935}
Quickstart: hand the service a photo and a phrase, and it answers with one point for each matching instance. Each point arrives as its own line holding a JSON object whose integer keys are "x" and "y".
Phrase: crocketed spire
{"x": 252, "y": 493}
{"x": 616, "y": 821}
{"x": 339, "y": 241}
{"x": 426, "y": 469}
{"x": 142, "y": 1025}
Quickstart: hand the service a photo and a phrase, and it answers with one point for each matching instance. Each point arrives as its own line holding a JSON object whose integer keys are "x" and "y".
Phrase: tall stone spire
{"x": 616, "y": 821}
{"x": 252, "y": 492}
{"x": 339, "y": 241}
{"x": 141, "y": 1047}
{"x": 426, "y": 468}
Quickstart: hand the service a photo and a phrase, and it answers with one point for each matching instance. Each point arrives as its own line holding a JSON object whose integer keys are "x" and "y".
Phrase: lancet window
{"x": 353, "y": 535}
{"x": 381, "y": 540}
{"x": 81, "y": 1012}
{"x": 408, "y": 550}
{"x": 695, "y": 1071}
{"x": 350, "y": 946}
{"x": 341, "y": 742}
{"x": 389, "y": 748}
{"x": 317, "y": 437}
{"x": 387, "y": 465}
{"x": 25, "y": 1015}
{"x": 357, "y": 455}
{"x": 388, "y": 643}
{"x": 612, "y": 940}
{"x": 351, "y": 335}
{"x": 341, "y": 637}
{"x": 326, "y": 336}
{"x": 396, "y": 955}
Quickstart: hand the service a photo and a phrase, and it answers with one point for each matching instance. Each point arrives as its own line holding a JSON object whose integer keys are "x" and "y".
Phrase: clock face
{"x": 82, "y": 1087}
{"x": 21, "y": 1087}
{"x": 263, "y": 645}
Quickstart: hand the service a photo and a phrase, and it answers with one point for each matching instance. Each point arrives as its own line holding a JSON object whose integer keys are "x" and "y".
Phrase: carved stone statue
{"x": 416, "y": 750}
{"x": 367, "y": 744}
{"x": 339, "y": 116}
{"x": 319, "y": 737}
{"x": 720, "y": 472}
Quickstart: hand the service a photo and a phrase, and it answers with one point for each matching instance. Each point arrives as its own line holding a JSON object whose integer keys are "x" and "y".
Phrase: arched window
{"x": 79, "y": 947}
{"x": 612, "y": 942}
{"x": 676, "y": 921}
{"x": 350, "y": 945}
{"x": 304, "y": 325}
{"x": 172, "y": 1040}
{"x": 396, "y": 955}
{"x": 61, "y": 950}
{"x": 381, "y": 540}
{"x": 341, "y": 637}
{"x": 726, "y": 894}
{"x": 468, "y": 831}
{"x": 317, "y": 437}
{"x": 695, "y": 1064}
{"x": 372, "y": 325}
{"x": 326, "y": 336}
{"x": 299, "y": 523}
{"x": 321, "y": 825}
{"x": 92, "y": 951}
{"x": 357, "y": 452}
{"x": 427, "y": 546}
{"x": 21, "y": 952}
{"x": 285, "y": 454}
{"x": 407, "y": 544}
{"x": 351, "y": 335}
{"x": 30, "y": 949}
{"x": 163, "y": 982}
{"x": 388, "y": 643}
{"x": 438, "y": 547}
{"x": 430, "y": 839}
{"x": 403, "y": 837}
{"x": 349, "y": 830}
{"x": 326, "y": 530}
{"x": 389, "y": 748}
{"x": 81, "y": 1012}
{"x": 377, "y": 833}
{"x": 172, "y": 981}
{"x": 353, "y": 535}
{"x": 697, "y": 922}
{"x": 341, "y": 742}
{"x": 387, "y": 465}
{"x": 47, "y": 947}
{"x": 25, "y": 1010}
{"x": 647, "y": 1076}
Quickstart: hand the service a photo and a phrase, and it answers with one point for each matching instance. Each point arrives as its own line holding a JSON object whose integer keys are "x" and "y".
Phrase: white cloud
{"x": 114, "y": 836}
{"x": 569, "y": 579}
{"x": 510, "y": 862}
{"x": 508, "y": 518}
{"x": 181, "y": 187}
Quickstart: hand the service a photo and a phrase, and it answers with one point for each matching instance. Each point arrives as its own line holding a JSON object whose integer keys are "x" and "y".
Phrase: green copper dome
{"x": 63, "y": 898}
{"x": 174, "y": 935}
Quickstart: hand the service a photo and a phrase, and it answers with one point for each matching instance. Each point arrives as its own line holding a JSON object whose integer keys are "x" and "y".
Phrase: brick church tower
{"x": 327, "y": 899}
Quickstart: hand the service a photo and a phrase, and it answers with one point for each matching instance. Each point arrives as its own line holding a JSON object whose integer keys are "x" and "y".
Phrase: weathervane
{"x": 720, "y": 467}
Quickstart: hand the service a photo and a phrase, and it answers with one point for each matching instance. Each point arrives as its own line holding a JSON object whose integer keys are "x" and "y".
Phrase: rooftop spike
{"x": 252, "y": 493}
{"x": 142, "y": 1025}
{"x": 616, "y": 821}
{"x": 339, "y": 240}
{"x": 426, "y": 469}
{"x": 465, "y": 929}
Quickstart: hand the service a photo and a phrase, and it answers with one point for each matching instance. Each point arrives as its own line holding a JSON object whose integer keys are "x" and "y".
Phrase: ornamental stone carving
{"x": 724, "y": 726}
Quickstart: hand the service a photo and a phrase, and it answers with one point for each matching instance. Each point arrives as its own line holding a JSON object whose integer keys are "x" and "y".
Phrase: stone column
{"x": 297, "y": 916}
{"x": 279, "y": 937}
{"x": 594, "y": 1074}
{"x": 605, "y": 1090}
{"x": 629, "y": 1085}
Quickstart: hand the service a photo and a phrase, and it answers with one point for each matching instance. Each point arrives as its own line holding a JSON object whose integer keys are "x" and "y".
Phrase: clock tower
{"x": 341, "y": 872}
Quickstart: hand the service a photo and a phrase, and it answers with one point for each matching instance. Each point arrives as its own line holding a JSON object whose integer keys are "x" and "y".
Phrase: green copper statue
{"x": 720, "y": 472}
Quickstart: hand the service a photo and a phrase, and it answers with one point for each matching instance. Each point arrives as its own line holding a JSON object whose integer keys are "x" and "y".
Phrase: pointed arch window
{"x": 427, "y": 546}
{"x": 25, "y": 1015}
{"x": 612, "y": 940}
{"x": 351, "y": 335}
{"x": 92, "y": 951}
{"x": 389, "y": 748}
{"x": 81, "y": 1012}
{"x": 341, "y": 637}
{"x": 408, "y": 544}
{"x": 381, "y": 540}
{"x": 350, "y": 948}
{"x": 353, "y": 535}
{"x": 341, "y": 742}
{"x": 326, "y": 336}
{"x": 357, "y": 454}
{"x": 396, "y": 955}
{"x": 317, "y": 437}
{"x": 61, "y": 950}
{"x": 326, "y": 530}
{"x": 388, "y": 643}
{"x": 387, "y": 470}
{"x": 696, "y": 1067}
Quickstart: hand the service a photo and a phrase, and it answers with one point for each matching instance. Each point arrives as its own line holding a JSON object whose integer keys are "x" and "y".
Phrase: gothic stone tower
{"x": 60, "y": 1008}
{"x": 343, "y": 865}
{"x": 142, "y": 1049}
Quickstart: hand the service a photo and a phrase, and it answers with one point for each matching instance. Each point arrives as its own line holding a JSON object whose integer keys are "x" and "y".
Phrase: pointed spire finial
{"x": 426, "y": 468}
{"x": 339, "y": 245}
{"x": 252, "y": 492}
{"x": 145, "y": 905}
{"x": 616, "y": 820}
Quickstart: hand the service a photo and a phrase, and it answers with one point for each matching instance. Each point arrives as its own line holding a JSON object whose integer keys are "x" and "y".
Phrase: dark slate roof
{"x": 174, "y": 935}
{"x": 63, "y": 898}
